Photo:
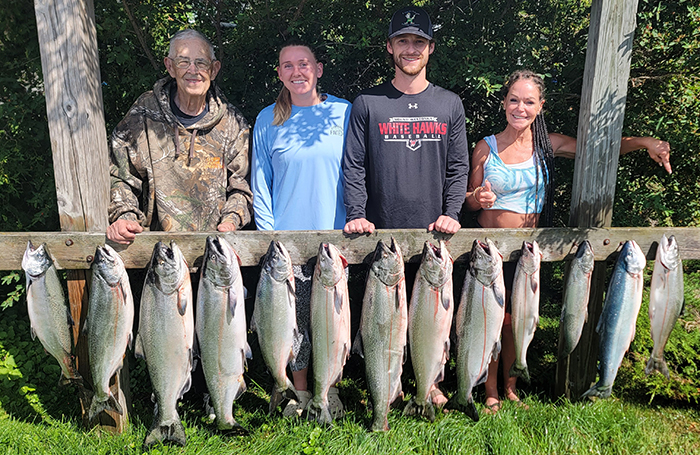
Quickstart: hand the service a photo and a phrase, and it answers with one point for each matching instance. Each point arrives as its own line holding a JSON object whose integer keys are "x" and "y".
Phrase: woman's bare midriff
{"x": 507, "y": 219}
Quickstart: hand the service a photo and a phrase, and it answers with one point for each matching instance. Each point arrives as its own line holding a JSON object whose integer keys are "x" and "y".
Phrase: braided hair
{"x": 541, "y": 146}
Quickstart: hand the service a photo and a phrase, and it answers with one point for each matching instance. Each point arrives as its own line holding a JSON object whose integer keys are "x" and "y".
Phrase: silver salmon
{"x": 665, "y": 300}
{"x": 165, "y": 338}
{"x": 49, "y": 314}
{"x": 221, "y": 328}
{"x": 330, "y": 327}
{"x": 574, "y": 310}
{"x": 618, "y": 320}
{"x": 109, "y": 324}
{"x": 381, "y": 339}
{"x": 275, "y": 321}
{"x": 525, "y": 305}
{"x": 479, "y": 321}
{"x": 429, "y": 323}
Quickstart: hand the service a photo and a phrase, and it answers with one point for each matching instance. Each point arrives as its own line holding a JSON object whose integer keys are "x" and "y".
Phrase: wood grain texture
{"x": 601, "y": 117}
{"x": 75, "y": 250}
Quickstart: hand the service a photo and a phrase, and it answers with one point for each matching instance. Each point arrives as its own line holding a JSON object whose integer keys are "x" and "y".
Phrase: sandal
{"x": 492, "y": 408}
{"x": 335, "y": 406}
{"x": 438, "y": 398}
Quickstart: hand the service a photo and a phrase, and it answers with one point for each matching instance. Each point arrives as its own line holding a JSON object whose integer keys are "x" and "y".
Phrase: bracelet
{"x": 477, "y": 189}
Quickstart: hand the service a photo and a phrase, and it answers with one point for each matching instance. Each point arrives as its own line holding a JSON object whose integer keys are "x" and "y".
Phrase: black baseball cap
{"x": 411, "y": 19}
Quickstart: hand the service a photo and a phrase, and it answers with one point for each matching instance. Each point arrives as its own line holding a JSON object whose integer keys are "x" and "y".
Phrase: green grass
{"x": 604, "y": 427}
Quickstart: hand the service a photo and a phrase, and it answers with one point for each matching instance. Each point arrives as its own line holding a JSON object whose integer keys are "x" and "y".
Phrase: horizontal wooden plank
{"x": 74, "y": 250}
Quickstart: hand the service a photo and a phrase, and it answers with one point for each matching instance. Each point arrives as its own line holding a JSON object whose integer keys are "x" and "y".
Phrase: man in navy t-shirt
{"x": 406, "y": 161}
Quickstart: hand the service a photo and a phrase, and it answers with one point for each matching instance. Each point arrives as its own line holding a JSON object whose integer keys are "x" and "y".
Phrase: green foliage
{"x": 12, "y": 293}
{"x": 682, "y": 353}
{"x": 28, "y": 375}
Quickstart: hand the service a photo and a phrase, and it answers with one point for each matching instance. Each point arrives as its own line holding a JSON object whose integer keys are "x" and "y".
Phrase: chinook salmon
{"x": 525, "y": 305}
{"x": 110, "y": 319}
{"x": 665, "y": 300}
{"x": 330, "y": 327}
{"x": 574, "y": 310}
{"x": 221, "y": 328}
{"x": 429, "y": 323}
{"x": 165, "y": 338}
{"x": 49, "y": 314}
{"x": 275, "y": 321}
{"x": 618, "y": 320}
{"x": 479, "y": 321}
{"x": 381, "y": 339}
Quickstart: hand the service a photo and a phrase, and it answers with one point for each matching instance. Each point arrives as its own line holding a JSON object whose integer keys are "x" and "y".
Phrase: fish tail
{"x": 426, "y": 410}
{"x": 598, "y": 391}
{"x": 521, "y": 372}
{"x": 110, "y": 404}
{"x": 161, "y": 432}
{"x": 320, "y": 412}
{"x": 658, "y": 365}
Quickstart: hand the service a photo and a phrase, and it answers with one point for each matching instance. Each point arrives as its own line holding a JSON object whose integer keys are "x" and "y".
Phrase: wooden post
{"x": 70, "y": 66}
{"x": 601, "y": 118}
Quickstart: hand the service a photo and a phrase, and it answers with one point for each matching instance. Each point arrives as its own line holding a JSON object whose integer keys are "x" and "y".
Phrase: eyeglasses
{"x": 184, "y": 63}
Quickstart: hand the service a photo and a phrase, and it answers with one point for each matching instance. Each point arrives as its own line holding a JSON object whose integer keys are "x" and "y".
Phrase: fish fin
{"x": 682, "y": 312}
{"x": 445, "y": 298}
{"x": 130, "y": 340}
{"x": 110, "y": 404}
{"x": 520, "y": 372}
{"x": 174, "y": 432}
{"x": 181, "y": 302}
{"x": 138, "y": 348}
{"x": 496, "y": 351}
{"x": 248, "y": 352}
{"x": 498, "y": 295}
{"x": 534, "y": 282}
{"x": 658, "y": 365}
{"x": 338, "y": 300}
{"x": 291, "y": 291}
{"x": 405, "y": 353}
{"x": 32, "y": 332}
{"x": 232, "y": 300}
{"x": 600, "y": 326}
{"x": 252, "y": 323}
{"x": 446, "y": 352}
{"x": 245, "y": 292}
{"x": 597, "y": 391}
{"x": 357, "y": 345}
{"x": 482, "y": 377}
{"x": 186, "y": 386}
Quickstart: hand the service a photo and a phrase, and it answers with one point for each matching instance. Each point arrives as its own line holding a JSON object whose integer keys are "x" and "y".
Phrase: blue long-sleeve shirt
{"x": 297, "y": 180}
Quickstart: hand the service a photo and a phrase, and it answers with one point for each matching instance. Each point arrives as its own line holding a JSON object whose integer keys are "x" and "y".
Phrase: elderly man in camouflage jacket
{"x": 180, "y": 156}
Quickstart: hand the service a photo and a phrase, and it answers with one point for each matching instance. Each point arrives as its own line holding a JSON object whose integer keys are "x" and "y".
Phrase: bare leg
{"x": 491, "y": 387}
{"x": 508, "y": 354}
{"x": 299, "y": 379}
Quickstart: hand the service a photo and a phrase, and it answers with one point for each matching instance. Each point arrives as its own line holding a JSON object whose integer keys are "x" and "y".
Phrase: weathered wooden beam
{"x": 601, "y": 117}
{"x": 72, "y": 88}
{"x": 74, "y": 250}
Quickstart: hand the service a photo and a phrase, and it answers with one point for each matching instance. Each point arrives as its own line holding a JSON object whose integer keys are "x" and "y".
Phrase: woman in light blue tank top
{"x": 511, "y": 184}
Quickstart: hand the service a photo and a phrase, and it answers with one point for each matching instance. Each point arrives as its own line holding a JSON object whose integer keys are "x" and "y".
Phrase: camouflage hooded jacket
{"x": 171, "y": 178}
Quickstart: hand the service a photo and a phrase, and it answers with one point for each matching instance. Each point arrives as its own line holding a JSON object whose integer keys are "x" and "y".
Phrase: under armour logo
{"x": 413, "y": 105}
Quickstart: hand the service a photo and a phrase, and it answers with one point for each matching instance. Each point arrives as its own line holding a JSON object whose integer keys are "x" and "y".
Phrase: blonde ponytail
{"x": 283, "y": 107}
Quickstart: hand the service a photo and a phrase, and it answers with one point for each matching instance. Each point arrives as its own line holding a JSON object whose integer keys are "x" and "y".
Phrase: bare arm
{"x": 658, "y": 150}
{"x": 479, "y": 196}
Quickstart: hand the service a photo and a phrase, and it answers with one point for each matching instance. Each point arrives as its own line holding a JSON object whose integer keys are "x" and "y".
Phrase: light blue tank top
{"x": 513, "y": 184}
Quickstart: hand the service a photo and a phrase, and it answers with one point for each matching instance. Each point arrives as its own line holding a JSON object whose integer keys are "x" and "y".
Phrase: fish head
{"x": 387, "y": 264}
{"x": 277, "y": 262}
{"x": 436, "y": 264}
{"x": 330, "y": 265}
{"x": 221, "y": 264}
{"x": 530, "y": 257}
{"x": 36, "y": 261}
{"x": 167, "y": 268}
{"x": 632, "y": 257}
{"x": 667, "y": 253}
{"x": 108, "y": 265}
{"x": 585, "y": 259}
{"x": 485, "y": 261}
